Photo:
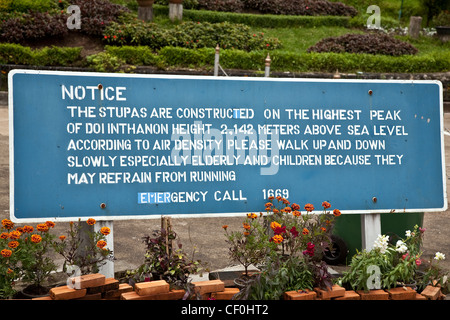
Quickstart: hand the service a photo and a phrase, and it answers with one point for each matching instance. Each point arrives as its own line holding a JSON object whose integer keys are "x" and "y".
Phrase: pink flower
{"x": 418, "y": 262}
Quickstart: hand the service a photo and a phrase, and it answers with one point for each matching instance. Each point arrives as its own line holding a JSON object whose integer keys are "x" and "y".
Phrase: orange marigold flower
{"x": 6, "y": 253}
{"x": 305, "y": 231}
{"x": 252, "y": 216}
{"x": 4, "y": 235}
{"x": 105, "y": 231}
{"x": 326, "y": 205}
{"x": 14, "y": 235}
{"x": 62, "y": 238}
{"x": 246, "y": 226}
{"x": 35, "y": 238}
{"x": 287, "y": 209}
{"x": 225, "y": 227}
{"x": 42, "y": 227}
{"x": 323, "y": 229}
{"x": 336, "y": 212}
{"x": 285, "y": 201}
{"x": 296, "y": 213}
{"x": 50, "y": 224}
{"x": 309, "y": 207}
{"x": 269, "y": 204}
{"x": 295, "y": 206}
{"x": 28, "y": 229}
{"x": 7, "y": 224}
{"x": 277, "y": 238}
{"x": 279, "y": 198}
{"x": 101, "y": 244}
{"x": 13, "y": 244}
{"x": 246, "y": 233}
{"x": 275, "y": 225}
{"x": 20, "y": 229}
{"x": 275, "y": 210}
{"x": 271, "y": 198}
{"x": 90, "y": 221}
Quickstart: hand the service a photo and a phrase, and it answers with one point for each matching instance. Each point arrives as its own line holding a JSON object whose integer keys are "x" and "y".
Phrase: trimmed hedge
{"x": 283, "y": 61}
{"x": 229, "y": 59}
{"x": 257, "y": 20}
{"x": 49, "y": 56}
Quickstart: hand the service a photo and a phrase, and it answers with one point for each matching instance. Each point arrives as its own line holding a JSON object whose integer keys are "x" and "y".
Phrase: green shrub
{"x": 104, "y": 62}
{"x": 136, "y": 55}
{"x": 183, "y": 57}
{"x": 189, "y": 35}
{"x": 57, "y": 56}
{"x": 54, "y": 56}
{"x": 15, "y": 54}
{"x": 28, "y": 5}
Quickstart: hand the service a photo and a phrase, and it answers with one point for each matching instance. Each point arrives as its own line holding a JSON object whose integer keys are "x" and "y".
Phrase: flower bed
{"x": 370, "y": 43}
{"x": 25, "y": 253}
{"x": 288, "y": 7}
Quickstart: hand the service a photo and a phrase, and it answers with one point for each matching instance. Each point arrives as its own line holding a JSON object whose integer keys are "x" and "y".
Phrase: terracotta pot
{"x": 145, "y": 3}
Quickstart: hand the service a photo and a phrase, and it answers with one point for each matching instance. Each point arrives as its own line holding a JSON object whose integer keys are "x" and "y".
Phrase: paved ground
{"x": 204, "y": 234}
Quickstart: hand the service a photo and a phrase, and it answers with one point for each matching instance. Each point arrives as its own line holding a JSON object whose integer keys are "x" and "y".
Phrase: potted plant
{"x": 387, "y": 264}
{"x": 83, "y": 249}
{"x": 433, "y": 273}
{"x": 249, "y": 246}
{"x": 163, "y": 262}
{"x": 35, "y": 262}
{"x": 286, "y": 245}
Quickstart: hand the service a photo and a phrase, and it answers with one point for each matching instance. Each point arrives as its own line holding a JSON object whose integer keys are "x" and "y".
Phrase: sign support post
{"x": 370, "y": 229}
{"x": 107, "y": 269}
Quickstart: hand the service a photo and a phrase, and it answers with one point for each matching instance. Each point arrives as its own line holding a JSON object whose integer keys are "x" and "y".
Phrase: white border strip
{"x": 246, "y": 79}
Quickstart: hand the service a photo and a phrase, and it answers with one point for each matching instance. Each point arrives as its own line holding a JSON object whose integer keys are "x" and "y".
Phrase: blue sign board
{"x": 122, "y": 146}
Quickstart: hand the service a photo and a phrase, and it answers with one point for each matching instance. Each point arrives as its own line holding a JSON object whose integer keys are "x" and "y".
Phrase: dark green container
{"x": 347, "y": 232}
